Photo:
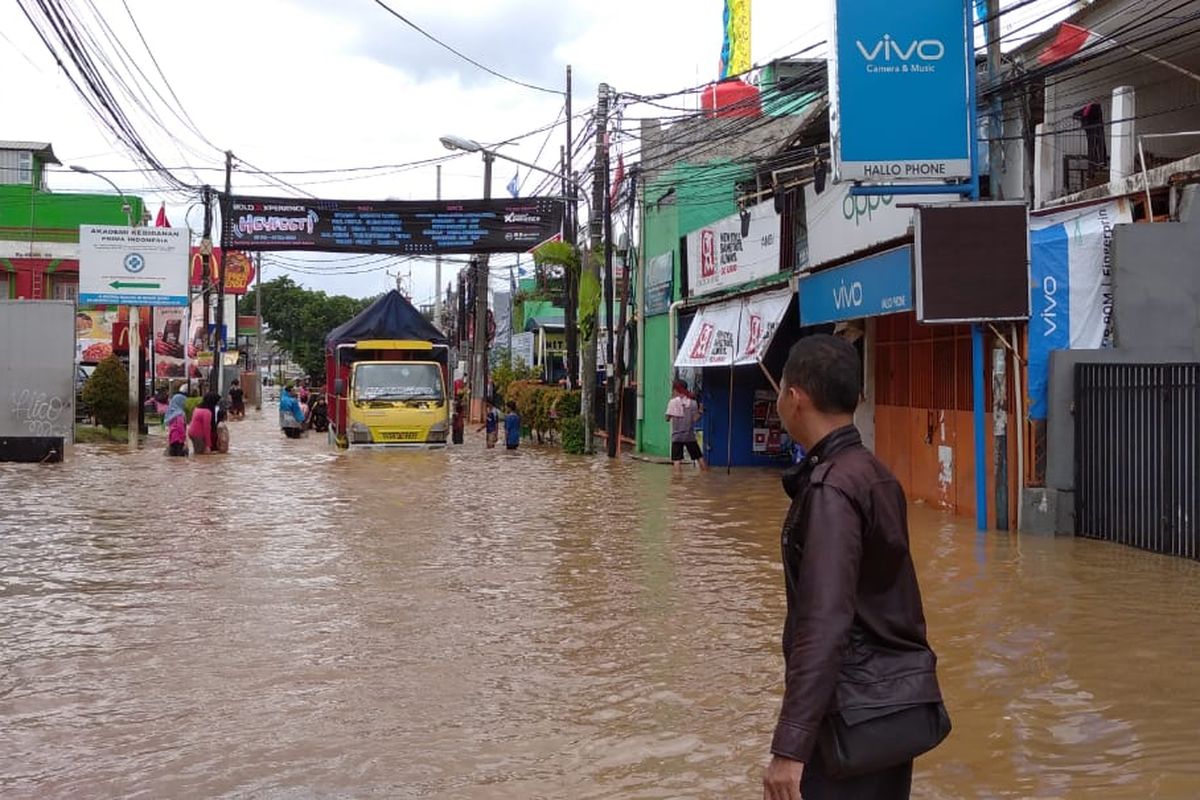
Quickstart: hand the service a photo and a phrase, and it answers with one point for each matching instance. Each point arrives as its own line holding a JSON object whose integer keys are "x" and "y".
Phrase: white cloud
{"x": 310, "y": 84}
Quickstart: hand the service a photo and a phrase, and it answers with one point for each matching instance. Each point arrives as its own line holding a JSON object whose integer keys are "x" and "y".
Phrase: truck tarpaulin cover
{"x": 423, "y": 227}
{"x": 389, "y": 317}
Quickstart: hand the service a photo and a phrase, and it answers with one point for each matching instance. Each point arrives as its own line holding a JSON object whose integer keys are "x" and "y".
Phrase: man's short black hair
{"x": 827, "y": 368}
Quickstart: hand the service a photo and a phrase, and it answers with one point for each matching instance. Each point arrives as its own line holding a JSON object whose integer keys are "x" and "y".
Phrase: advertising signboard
{"x": 870, "y": 287}
{"x": 719, "y": 256}
{"x": 840, "y": 224}
{"x": 239, "y": 270}
{"x": 972, "y": 262}
{"x": 522, "y": 347}
{"x": 133, "y": 266}
{"x": 660, "y": 283}
{"x": 509, "y": 225}
{"x": 898, "y": 82}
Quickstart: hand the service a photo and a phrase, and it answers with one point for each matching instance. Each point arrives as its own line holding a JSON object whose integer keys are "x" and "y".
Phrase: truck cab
{"x": 389, "y": 393}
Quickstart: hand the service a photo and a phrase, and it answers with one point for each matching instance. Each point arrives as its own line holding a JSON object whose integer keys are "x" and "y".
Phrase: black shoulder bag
{"x": 858, "y": 741}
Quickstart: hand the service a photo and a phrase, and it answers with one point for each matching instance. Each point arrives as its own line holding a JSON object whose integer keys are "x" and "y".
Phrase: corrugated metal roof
{"x": 43, "y": 149}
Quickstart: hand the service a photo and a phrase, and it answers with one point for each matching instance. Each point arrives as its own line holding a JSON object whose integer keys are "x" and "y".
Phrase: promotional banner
{"x": 94, "y": 334}
{"x": 170, "y": 351}
{"x": 735, "y": 48}
{"x": 719, "y": 256}
{"x": 899, "y": 91}
{"x": 511, "y": 225}
{"x": 660, "y": 283}
{"x": 840, "y": 225}
{"x": 132, "y": 266}
{"x": 239, "y": 270}
{"x": 737, "y": 331}
{"x": 1072, "y": 293}
{"x": 767, "y": 427}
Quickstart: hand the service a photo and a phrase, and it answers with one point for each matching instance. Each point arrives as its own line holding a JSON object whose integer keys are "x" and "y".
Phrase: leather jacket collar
{"x": 833, "y": 443}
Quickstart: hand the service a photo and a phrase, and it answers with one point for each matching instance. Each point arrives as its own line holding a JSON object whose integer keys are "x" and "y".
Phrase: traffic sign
{"x": 133, "y": 266}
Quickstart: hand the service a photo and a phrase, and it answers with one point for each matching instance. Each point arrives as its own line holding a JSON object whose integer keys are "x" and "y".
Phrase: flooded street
{"x": 290, "y": 621}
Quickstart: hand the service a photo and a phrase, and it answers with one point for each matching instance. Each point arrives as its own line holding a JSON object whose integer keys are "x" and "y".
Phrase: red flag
{"x": 614, "y": 193}
{"x": 161, "y": 221}
{"x": 1069, "y": 41}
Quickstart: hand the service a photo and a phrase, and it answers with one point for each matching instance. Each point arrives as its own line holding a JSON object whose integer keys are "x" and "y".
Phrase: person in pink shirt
{"x": 175, "y": 419}
{"x": 202, "y": 430}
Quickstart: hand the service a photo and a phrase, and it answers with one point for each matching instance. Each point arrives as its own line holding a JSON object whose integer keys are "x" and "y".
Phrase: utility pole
{"x": 206, "y": 247}
{"x": 995, "y": 121}
{"x": 258, "y": 348}
{"x": 596, "y": 225}
{"x": 610, "y": 395}
{"x": 570, "y": 236}
{"x": 480, "y": 345}
{"x": 624, "y": 298}
{"x": 437, "y": 268}
{"x": 219, "y": 350}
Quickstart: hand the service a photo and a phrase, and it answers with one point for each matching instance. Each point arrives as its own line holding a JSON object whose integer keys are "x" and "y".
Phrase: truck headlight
{"x": 359, "y": 433}
{"x": 437, "y": 431}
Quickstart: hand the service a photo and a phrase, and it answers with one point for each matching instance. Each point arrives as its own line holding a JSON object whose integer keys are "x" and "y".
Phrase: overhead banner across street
{"x": 511, "y": 225}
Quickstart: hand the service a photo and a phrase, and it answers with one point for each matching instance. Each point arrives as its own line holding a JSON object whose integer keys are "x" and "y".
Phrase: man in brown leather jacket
{"x": 854, "y": 639}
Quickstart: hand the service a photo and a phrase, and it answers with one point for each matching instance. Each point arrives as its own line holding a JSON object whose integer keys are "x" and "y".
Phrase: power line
{"x": 459, "y": 53}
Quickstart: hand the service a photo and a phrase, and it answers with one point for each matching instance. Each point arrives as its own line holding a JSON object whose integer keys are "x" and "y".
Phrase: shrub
{"x": 106, "y": 392}
{"x": 504, "y": 376}
{"x": 572, "y": 434}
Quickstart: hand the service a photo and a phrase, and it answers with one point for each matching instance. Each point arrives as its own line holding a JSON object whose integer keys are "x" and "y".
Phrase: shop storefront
{"x": 728, "y": 359}
{"x": 918, "y": 390}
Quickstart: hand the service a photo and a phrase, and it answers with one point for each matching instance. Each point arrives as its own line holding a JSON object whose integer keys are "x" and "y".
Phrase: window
{"x": 16, "y": 167}
{"x": 3, "y": 285}
{"x": 65, "y": 289}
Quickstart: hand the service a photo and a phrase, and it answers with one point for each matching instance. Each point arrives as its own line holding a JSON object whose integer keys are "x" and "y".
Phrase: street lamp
{"x": 125, "y": 206}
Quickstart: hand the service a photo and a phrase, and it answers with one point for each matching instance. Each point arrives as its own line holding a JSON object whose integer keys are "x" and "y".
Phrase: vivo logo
{"x": 887, "y": 48}
{"x": 1049, "y": 315}
{"x": 848, "y": 296}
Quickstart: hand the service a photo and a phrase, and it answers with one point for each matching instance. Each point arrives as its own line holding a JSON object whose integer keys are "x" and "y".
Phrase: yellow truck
{"x": 388, "y": 391}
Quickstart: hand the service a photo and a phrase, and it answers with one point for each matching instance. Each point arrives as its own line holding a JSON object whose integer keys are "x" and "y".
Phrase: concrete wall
{"x": 1156, "y": 284}
{"x": 37, "y": 369}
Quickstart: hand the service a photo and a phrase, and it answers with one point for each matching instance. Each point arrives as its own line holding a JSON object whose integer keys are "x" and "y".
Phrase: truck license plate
{"x": 398, "y": 436}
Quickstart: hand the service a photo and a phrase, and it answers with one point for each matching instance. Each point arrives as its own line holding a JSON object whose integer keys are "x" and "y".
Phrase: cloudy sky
{"x": 291, "y": 85}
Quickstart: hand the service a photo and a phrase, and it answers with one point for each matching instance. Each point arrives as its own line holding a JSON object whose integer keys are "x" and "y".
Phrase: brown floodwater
{"x": 291, "y": 622}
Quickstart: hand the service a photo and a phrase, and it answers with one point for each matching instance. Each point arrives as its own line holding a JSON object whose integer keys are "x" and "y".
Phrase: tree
{"x": 298, "y": 319}
{"x": 560, "y": 262}
{"x": 106, "y": 392}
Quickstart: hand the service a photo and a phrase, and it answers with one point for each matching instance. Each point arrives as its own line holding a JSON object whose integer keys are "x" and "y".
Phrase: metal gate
{"x": 1137, "y": 455}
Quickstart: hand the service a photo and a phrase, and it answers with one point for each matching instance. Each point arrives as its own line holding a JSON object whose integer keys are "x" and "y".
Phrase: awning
{"x": 736, "y": 331}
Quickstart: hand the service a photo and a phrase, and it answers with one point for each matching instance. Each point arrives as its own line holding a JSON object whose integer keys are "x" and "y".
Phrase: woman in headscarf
{"x": 203, "y": 428}
{"x": 291, "y": 417}
{"x": 175, "y": 419}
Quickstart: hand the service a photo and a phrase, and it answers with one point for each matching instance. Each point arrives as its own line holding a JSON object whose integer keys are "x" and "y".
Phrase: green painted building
{"x": 685, "y": 198}
{"x": 39, "y": 229}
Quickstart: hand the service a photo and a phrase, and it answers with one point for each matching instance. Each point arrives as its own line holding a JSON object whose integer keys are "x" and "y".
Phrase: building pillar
{"x": 1123, "y": 144}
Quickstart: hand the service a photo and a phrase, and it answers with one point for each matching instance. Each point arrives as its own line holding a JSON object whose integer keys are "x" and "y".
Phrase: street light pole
{"x": 134, "y": 419}
{"x": 480, "y": 344}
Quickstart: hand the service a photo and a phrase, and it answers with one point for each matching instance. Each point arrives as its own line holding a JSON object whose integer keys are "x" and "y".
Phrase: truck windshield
{"x": 398, "y": 382}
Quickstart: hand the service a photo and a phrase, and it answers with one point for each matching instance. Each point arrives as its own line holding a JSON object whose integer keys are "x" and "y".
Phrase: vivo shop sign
{"x": 899, "y": 78}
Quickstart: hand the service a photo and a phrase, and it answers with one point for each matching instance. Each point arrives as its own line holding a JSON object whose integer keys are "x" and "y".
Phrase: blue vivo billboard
{"x": 873, "y": 286}
{"x": 900, "y": 90}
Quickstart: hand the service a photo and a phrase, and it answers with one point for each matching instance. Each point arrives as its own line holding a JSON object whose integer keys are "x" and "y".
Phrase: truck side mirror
{"x": 339, "y": 386}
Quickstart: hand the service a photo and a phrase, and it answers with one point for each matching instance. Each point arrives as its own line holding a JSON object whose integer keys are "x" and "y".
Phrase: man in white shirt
{"x": 683, "y": 413}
